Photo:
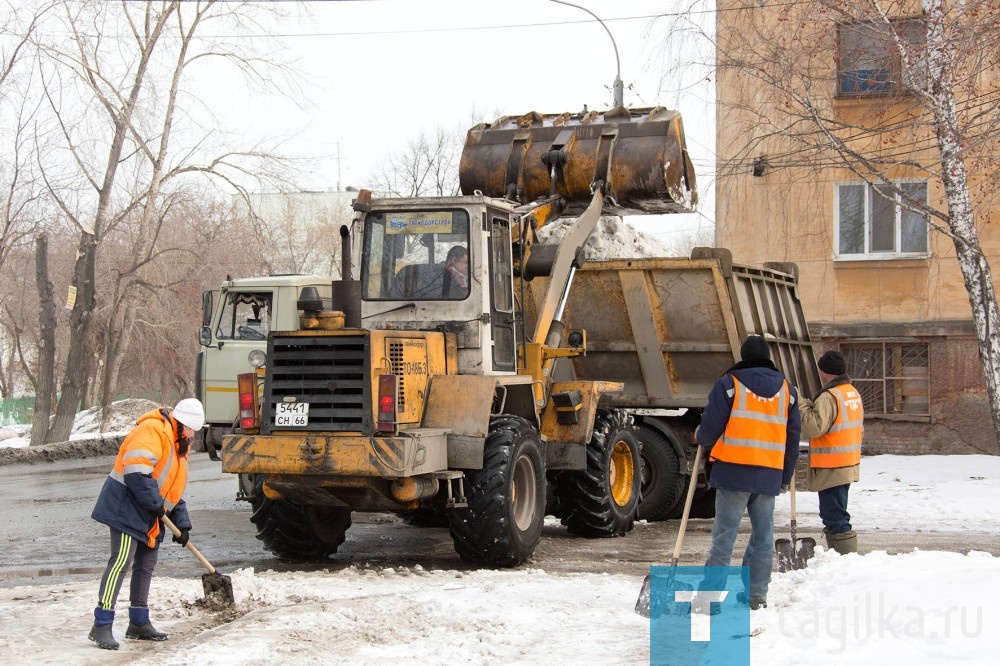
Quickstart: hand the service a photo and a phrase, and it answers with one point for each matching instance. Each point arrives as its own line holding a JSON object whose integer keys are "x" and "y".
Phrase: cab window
{"x": 416, "y": 255}
{"x": 245, "y": 316}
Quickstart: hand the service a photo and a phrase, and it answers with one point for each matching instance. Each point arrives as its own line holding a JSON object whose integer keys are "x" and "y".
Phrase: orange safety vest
{"x": 150, "y": 449}
{"x": 841, "y": 445}
{"x": 757, "y": 431}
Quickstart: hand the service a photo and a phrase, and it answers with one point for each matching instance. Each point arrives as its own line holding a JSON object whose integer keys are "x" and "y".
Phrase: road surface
{"x": 48, "y": 533}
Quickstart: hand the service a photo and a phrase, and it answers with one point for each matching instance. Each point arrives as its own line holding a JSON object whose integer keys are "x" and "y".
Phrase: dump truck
{"x": 236, "y": 319}
{"x": 426, "y": 389}
{"x": 667, "y": 329}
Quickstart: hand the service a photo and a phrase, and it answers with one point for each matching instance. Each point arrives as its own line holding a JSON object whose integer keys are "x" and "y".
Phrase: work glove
{"x": 183, "y": 538}
{"x": 784, "y": 488}
{"x": 160, "y": 511}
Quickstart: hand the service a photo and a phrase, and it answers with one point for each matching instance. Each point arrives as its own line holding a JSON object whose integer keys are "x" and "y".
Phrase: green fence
{"x": 17, "y": 411}
{"x": 14, "y": 411}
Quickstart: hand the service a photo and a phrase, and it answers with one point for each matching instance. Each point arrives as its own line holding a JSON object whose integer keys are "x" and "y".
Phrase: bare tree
{"x": 935, "y": 66}
{"x": 428, "y": 166}
{"x": 114, "y": 91}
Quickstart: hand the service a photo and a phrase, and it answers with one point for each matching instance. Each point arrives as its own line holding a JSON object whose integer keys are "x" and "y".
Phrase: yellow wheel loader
{"x": 428, "y": 390}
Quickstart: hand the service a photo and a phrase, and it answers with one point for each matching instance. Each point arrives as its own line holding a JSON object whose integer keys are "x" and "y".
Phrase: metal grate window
{"x": 396, "y": 359}
{"x": 892, "y": 377}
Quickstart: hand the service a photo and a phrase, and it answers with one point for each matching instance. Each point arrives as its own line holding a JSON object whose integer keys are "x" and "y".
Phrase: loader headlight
{"x": 257, "y": 358}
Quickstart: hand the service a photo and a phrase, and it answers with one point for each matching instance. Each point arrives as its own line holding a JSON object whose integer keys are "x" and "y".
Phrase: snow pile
{"x": 613, "y": 238}
{"x": 122, "y": 418}
{"x": 87, "y": 424}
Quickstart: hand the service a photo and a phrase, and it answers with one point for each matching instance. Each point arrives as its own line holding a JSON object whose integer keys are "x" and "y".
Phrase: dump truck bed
{"x": 668, "y": 328}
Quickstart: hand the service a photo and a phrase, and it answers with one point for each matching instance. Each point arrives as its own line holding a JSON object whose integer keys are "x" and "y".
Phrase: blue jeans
{"x": 759, "y": 554}
{"x": 833, "y": 509}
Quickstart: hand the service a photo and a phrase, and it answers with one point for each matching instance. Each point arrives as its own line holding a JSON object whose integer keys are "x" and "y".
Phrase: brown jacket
{"x": 817, "y": 417}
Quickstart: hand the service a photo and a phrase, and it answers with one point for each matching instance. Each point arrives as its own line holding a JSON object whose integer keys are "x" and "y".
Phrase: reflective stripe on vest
{"x": 165, "y": 467}
{"x": 757, "y": 431}
{"x": 841, "y": 445}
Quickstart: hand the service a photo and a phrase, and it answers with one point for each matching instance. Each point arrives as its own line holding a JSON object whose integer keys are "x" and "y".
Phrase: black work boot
{"x": 101, "y": 634}
{"x": 139, "y": 626}
{"x": 145, "y": 632}
{"x": 755, "y": 603}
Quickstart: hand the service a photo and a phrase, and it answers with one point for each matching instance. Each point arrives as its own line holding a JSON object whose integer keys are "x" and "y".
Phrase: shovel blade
{"x": 785, "y": 554}
{"x": 657, "y": 602}
{"x": 793, "y": 555}
{"x": 218, "y": 589}
{"x": 642, "y": 603}
{"x": 804, "y": 549}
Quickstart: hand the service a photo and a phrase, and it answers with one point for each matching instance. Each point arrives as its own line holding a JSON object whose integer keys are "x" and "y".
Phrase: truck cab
{"x": 236, "y": 319}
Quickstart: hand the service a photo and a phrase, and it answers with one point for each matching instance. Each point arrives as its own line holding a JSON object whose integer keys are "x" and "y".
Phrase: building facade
{"x": 827, "y": 159}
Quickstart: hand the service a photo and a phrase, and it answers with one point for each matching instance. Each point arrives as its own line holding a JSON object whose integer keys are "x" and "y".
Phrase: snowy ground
{"x": 915, "y": 608}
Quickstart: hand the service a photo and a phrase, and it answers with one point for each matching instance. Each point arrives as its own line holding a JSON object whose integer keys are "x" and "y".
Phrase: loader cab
{"x": 442, "y": 264}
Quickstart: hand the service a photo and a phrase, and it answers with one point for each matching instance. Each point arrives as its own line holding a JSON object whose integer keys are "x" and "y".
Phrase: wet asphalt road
{"x": 47, "y": 533}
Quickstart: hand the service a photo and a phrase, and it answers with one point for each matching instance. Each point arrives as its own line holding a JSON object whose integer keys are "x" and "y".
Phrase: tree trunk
{"x": 961, "y": 218}
{"x": 45, "y": 374}
{"x": 79, "y": 361}
{"x": 114, "y": 355}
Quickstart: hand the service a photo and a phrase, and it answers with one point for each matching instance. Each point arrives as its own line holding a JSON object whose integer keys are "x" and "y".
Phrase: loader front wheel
{"x": 662, "y": 481}
{"x": 601, "y": 501}
{"x": 294, "y": 531}
{"x": 503, "y": 522}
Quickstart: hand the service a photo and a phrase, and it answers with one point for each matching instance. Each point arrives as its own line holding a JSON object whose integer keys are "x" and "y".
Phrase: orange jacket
{"x": 149, "y": 472}
{"x": 756, "y": 432}
{"x": 840, "y": 446}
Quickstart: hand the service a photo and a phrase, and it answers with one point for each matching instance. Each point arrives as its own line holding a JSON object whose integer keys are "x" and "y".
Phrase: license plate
{"x": 291, "y": 414}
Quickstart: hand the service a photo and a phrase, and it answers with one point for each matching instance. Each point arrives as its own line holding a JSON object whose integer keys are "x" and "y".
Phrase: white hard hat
{"x": 189, "y": 412}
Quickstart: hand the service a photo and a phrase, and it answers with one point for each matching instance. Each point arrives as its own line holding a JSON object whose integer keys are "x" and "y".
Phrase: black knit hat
{"x": 755, "y": 348}
{"x": 832, "y": 363}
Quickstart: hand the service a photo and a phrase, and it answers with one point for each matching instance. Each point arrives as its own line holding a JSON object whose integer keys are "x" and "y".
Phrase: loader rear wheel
{"x": 503, "y": 522}
{"x": 601, "y": 501}
{"x": 662, "y": 481}
{"x": 295, "y": 531}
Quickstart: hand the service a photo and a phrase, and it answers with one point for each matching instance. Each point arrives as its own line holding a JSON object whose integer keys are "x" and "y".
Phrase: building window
{"x": 893, "y": 378}
{"x": 868, "y": 57}
{"x": 873, "y": 223}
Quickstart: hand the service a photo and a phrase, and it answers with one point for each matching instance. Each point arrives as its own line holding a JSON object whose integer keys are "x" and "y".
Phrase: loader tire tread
{"x": 509, "y": 489}
{"x": 294, "y": 531}
{"x": 591, "y": 507}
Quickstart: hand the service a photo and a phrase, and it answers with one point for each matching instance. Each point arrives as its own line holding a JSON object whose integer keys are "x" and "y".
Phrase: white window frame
{"x": 868, "y": 254}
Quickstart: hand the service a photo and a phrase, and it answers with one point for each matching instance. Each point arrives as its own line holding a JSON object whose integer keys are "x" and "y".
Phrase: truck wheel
{"x": 662, "y": 481}
{"x": 503, "y": 522}
{"x": 601, "y": 500}
{"x": 290, "y": 530}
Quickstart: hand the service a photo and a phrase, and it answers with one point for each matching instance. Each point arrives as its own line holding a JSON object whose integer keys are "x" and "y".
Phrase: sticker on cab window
{"x": 419, "y": 223}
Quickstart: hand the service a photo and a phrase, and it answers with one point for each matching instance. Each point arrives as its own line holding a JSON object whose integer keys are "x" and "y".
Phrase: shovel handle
{"x": 791, "y": 489}
{"x": 190, "y": 546}
{"x": 688, "y": 501}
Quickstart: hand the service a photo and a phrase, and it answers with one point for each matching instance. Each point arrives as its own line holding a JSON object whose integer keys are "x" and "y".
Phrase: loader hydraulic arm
{"x": 564, "y": 265}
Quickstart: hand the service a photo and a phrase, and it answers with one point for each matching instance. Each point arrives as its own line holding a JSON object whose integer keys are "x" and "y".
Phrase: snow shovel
{"x": 218, "y": 587}
{"x": 643, "y": 603}
{"x": 793, "y": 553}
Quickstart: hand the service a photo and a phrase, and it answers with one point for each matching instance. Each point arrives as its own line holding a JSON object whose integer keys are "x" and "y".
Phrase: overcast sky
{"x": 380, "y": 72}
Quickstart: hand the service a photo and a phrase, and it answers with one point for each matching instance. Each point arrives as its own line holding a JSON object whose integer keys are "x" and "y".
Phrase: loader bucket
{"x": 638, "y": 154}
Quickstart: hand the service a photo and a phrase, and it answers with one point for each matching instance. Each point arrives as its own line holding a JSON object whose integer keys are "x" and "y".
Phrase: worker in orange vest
{"x": 751, "y": 428}
{"x": 834, "y": 422}
{"x": 146, "y": 483}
